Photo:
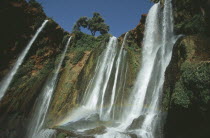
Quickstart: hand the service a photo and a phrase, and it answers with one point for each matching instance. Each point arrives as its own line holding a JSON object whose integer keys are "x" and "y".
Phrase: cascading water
{"x": 36, "y": 126}
{"x": 114, "y": 89}
{"x": 94, "y": 95}
{"x": 144, "y": 100}
{"x": 8, "y": 78}
{"x": 112, "y": 61}
{"x": 141, "y": 115}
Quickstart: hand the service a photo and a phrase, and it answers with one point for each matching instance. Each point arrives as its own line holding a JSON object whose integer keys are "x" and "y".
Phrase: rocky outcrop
{"x": 191, "y": 16}
{"x": 187, "y": 86}
{"x": 19, "y": 24}
{"x": 138, "y": 32}
{"x": 187, "y": 89}
{"x": 76, "y": 73}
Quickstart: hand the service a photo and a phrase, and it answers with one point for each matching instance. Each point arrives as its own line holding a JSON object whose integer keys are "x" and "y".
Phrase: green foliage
{"x": 88, "y": 42}
{"x": 166, "y": 99}
{"x": 194, "y": 85}
{"x": 192, "y": 26}
{"x": 94, "y": 24}
{"x": 84, "y": 42}
{"x": 196, "y": 76}
{"x": 77, "y": 57}
{"x": 82, "y": 22}
{"x": 25, "y": 69}
{"x": 181, "y": 96}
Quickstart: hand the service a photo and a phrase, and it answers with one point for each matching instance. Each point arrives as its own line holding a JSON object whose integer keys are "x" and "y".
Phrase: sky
{"x": 120, "y": 15}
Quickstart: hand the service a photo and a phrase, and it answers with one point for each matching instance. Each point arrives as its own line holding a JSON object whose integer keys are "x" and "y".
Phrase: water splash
{"x": 43, "y": 102}
{"x": 4, "y": 84}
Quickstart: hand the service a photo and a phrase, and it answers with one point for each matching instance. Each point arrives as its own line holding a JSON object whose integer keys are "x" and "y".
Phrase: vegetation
{"x": 181, "y": 95}
{"x": 84, "y": 42}
{"x": 77, "y": 57}
{"x": 94, "y": 24}
{"x": 88, "y": 42}
{"x": 193, "y": 86}
{"x": 192, "y": 26}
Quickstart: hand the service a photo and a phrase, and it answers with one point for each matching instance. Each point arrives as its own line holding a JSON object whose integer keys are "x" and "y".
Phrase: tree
{"x": 83, "y": 21}
{"x": 94, "y": 24}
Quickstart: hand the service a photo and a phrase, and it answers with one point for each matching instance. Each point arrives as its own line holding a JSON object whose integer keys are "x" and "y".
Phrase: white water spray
{"x": 8, "y": 78}
{"x": 114, "y": 88}
{"x": 43, "y": 103}
{"x": 158, "y": 44}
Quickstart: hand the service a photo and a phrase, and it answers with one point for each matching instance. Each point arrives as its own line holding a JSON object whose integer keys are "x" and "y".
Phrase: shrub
{"x": 193, "y": 86}
{"x": 181, "y": 96}
{"x": 192, "y": 26}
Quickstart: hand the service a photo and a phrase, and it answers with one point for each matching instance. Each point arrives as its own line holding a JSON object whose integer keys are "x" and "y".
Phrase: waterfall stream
{"x": 144, "y": 101}
{"x": 142, "y": 114}
{"x": 111, "y": 61}
{"x": 4, "y": 84}
{"x": 36, "y": 126}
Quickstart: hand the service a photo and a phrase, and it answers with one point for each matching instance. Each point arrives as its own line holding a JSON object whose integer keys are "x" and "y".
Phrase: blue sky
{"x": 120, "y": 15}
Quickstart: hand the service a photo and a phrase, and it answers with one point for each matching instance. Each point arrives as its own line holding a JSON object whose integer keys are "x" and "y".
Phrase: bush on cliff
{"x": 193, "y": 26}
{"x": 193, "y": 86}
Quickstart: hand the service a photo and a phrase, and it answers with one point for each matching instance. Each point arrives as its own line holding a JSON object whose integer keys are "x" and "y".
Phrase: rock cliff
{"x": 187, "y": 87}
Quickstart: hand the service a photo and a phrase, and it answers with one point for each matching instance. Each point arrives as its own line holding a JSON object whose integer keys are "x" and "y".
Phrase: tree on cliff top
{"x": 94, "y": 24}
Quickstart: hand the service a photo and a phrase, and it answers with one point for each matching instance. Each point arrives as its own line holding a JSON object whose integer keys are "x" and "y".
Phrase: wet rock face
{"x": 137, "y": 122}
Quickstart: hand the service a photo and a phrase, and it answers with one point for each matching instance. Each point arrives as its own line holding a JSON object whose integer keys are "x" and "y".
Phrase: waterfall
{"x": 4, "y": 84}
{"x": 94, "y": 100}
{"x": 141, "y": 116}
{"x": 116, "y": 75}
{"x": 144, "y": 110}
{"x": 114, "y": 89}
{"x": 43, "y": 102}
{"x": 94, "y": 94}
{"x": 151, "y": 45}
{"x": 157, "y": 51}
